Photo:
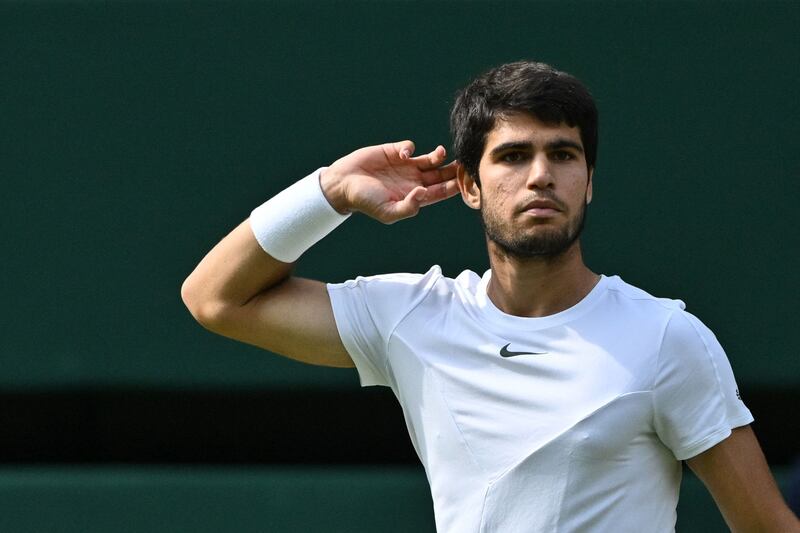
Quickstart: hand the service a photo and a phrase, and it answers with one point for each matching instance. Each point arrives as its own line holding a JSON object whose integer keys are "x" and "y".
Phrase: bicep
{"x": 738, "y": 478}
{"x": 294, "y": 319}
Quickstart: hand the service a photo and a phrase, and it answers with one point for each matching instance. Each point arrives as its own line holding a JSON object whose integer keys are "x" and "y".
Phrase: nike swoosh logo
{"x": 505, "y": 352}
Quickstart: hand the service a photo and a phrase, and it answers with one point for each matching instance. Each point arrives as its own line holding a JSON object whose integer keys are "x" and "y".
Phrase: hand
{"x": 386, "y": 183}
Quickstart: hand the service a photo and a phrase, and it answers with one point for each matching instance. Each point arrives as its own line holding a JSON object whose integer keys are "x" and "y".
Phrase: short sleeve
{"x": 368, "y": 309}
{"x": 696, "y": 399}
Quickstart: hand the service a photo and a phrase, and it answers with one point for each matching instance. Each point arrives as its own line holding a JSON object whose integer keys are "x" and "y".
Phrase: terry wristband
{"x": 292, "y": 221}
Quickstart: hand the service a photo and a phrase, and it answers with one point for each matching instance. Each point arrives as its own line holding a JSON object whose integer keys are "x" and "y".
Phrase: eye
{"x": 562, "y": 155}
{"x": 513, "y": 157}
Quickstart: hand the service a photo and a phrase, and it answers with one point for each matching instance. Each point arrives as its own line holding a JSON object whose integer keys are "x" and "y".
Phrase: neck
{"x": 538, "y": 286}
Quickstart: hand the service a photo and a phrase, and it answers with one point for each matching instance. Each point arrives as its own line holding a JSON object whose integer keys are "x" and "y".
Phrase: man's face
{"x": 534, "y": 186}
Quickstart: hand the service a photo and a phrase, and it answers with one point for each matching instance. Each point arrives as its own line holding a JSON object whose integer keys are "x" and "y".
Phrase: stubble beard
{"x": 544, "y": 243}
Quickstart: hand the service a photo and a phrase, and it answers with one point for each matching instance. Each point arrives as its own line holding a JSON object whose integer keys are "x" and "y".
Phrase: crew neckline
{"x": 491, "y": 313}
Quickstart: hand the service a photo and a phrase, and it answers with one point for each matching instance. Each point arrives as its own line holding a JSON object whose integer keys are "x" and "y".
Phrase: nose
{"x": 540, "y": 175}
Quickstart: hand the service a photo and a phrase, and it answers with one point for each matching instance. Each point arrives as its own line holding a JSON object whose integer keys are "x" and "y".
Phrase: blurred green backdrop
{"x": 135, "y": 135}
{"x": 281, "y": 500}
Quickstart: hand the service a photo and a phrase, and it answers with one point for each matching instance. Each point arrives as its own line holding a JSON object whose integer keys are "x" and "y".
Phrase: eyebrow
{"x": 555, "y": 144}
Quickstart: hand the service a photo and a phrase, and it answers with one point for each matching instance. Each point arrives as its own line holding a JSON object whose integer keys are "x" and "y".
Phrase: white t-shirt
{"x": 571, "y": 422}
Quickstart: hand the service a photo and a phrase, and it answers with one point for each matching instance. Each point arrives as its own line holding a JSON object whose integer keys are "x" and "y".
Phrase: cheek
{"x": 495, "y": 195}
{"x": 576, "y": 187}
{"x": 502, "y": 193}
{"x": 495, "y": 202}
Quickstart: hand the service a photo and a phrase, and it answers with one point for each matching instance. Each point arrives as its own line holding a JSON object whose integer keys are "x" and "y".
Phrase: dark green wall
{"x": 135, "y": 135}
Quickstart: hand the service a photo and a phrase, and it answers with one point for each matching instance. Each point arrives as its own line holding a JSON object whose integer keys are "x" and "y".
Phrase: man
{"x": 539, "y": 397}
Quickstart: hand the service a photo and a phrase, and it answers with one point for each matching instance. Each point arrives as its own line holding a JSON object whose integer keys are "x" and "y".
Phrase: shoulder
{"x": 636, "y": 311}
{"x": 398, "y": 281}
{"x": 389, "y": 295}
{"x": 687, "y": 339}
{"x": 636, "y": 297}
{"x": 398, "y": 294}
{"x": 382, "y": 301}
{"x": 680, "y": 326}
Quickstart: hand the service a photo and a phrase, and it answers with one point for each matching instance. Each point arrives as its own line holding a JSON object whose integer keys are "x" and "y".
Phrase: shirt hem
{"x": 713, "y": 439}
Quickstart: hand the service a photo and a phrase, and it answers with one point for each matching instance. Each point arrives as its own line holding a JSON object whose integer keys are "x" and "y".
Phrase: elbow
{"x": 207, "y": 312}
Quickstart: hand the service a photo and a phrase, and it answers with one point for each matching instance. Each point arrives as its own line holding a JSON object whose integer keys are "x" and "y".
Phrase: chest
{"x": 582, "y": 386}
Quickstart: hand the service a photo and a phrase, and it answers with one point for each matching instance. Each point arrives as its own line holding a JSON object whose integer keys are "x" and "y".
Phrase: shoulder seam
{"x": 710, "y": 357}
{"x": 649, "y": 297}
{"x": 661, "y": 347}
{"x": 658, "y": 365}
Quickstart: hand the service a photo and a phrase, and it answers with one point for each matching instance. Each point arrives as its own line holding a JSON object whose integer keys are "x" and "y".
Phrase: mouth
{"x": 541, "y": 208}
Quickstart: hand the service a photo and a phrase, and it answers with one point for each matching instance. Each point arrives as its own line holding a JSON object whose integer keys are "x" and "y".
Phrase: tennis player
{"x": 540, "y": 396}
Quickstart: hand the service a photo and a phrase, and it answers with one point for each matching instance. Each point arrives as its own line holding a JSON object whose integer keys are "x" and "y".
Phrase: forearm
{"x": 259, "y": 253}
{"x": 231, "y": 274}
{"x": 383, "y": 182}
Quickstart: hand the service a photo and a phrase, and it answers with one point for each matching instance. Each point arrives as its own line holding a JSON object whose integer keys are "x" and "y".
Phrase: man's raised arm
{"x": 243, "y": 288}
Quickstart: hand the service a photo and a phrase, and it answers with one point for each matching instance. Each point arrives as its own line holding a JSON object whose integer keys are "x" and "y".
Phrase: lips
{"x": 541, "y": 204}
{"x": 541, "y": 208}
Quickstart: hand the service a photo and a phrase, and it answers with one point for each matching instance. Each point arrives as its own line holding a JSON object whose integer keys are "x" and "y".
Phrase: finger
{"x": 431, "y": 160}
{"x": 438, "y": 175}
{"x": 440, "y": 191}
{"x": 408, "y": 206}
{"x": 403, "y": 149}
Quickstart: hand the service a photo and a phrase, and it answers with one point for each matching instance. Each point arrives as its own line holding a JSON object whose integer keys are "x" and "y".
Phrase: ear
{"x": 470, "y": 192}
{"x": 589, "y": 187}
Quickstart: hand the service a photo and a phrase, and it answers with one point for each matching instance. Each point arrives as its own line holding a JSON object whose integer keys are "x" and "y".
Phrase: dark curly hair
{"x": 550, "y": 95}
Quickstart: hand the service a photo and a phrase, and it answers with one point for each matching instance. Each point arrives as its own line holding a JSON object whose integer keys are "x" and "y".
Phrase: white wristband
{"x": 291, "y": 222}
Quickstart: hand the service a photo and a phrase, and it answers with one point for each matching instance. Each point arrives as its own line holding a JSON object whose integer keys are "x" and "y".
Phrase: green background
{"x": 205, "y": 500}
{"x": 136, "y": 135}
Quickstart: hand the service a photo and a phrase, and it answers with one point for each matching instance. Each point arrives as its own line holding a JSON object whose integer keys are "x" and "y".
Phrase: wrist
{"x": 332, "y": 185}
{"x": 291, "y": 222}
